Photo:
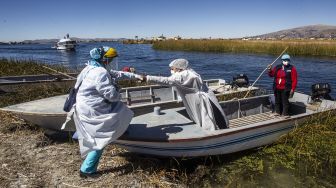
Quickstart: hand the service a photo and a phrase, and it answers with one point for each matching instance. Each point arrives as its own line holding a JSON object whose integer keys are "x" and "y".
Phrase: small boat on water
{"x": 252, "y": 124}
{"x": 9, "y": 83}
{"x": 66, "y": 43}
{"x": 33, "y": 78}
{"x": 140, "y": 99}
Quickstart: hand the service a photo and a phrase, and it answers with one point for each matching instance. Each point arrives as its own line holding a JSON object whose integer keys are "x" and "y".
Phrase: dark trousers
{"x": 281, "y": 101}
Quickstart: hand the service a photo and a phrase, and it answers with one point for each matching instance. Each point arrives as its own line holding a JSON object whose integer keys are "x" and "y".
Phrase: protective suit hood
{"x": 180, "y": 64}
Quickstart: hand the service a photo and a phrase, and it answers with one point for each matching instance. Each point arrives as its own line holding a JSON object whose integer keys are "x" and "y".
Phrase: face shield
{"x": 111, "y": 63}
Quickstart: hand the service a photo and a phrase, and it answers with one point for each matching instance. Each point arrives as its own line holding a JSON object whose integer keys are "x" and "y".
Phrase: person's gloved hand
{"x": 269, "y": 67}
{"x": 291, "y": 93}
{"x": 132, "y": 70}
{"x": 143, "y": 78}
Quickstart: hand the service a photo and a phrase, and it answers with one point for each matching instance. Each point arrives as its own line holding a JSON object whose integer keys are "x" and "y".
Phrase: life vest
{"x": 288, "y": 71}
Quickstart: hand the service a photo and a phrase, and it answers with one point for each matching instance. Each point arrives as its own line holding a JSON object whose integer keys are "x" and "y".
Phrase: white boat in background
{"x": 66, "y": 43}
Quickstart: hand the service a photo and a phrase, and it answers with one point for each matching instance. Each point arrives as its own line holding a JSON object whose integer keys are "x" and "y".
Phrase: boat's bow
{"x": 47, "y": 113}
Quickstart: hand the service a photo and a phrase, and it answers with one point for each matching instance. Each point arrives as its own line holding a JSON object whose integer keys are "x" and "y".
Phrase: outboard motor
{"x": 240, "y": 80}
{"x": 320, "y": 91}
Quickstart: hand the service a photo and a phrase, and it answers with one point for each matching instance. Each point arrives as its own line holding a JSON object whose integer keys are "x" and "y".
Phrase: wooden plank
{"x": 251, "y": 119}
{"x": 243, "y": 123}
{"x": 257, "y": 117}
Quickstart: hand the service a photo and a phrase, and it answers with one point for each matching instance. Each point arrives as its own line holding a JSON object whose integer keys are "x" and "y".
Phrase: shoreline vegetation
{"x": 272, "y": 47}
{"x": 306, "y": 157}
{"x": 140, "y": 41}
{"x": 25, "y": 93}
{"x": 12, "y": 67}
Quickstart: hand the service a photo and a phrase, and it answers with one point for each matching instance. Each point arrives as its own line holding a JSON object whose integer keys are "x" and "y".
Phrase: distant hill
{"x": 47, "y": 41}
{"x": 42, "y": 41}
{"x": 306, "y": 32}
{"x": 39, "y": 41}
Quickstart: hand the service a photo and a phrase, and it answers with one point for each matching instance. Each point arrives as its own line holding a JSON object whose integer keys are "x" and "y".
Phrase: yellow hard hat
{"x": 111, "y": 53}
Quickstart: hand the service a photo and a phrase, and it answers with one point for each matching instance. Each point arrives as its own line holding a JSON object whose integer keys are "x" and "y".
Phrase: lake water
{"x": 209, "y": 65}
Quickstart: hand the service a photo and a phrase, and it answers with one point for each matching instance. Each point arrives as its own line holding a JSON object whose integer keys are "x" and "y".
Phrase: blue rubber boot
{"x": 90, "y": 164}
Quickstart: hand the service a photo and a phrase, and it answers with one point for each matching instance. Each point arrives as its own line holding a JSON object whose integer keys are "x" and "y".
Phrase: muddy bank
{"x": 30, "y": 158}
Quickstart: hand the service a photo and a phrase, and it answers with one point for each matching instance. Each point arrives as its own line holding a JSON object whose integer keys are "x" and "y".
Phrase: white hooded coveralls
{"x": 199, "y": 101}
{"x": 100, "y": 116}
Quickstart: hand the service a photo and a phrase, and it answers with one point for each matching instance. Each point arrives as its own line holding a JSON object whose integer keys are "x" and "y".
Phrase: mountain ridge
{"x": 304, "y": 32}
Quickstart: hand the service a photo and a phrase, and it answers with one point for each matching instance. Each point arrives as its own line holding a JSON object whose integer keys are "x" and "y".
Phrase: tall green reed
{"x": 296, "y": 47}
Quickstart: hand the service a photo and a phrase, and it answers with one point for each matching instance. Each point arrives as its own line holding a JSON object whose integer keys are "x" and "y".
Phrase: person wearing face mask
{"x": 201, "y": 104}
{"x": 284, "y": 84}
{"x": 99, "y": 115}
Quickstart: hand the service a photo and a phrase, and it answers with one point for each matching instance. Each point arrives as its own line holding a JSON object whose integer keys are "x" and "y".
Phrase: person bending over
{"x": 200, "y": 102}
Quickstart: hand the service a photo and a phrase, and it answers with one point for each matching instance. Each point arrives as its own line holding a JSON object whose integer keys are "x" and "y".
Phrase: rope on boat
{"x": 59, "y": 72}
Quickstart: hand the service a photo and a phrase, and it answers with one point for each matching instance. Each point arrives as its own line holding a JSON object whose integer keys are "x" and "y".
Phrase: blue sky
{"x": 43, "y": 19}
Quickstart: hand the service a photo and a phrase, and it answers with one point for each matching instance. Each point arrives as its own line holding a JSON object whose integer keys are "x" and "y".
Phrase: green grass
{"x": 25, "y": 93}
{"x": 306, "y": 157}
{"x": 296, "y": 47}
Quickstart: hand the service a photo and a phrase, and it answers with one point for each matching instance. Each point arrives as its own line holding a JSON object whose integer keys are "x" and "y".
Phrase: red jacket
{"x": 283, "y": 74}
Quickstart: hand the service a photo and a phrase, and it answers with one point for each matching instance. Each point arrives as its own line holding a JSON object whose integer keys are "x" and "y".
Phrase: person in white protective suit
{"x": 100, "y": 117}
{"x": 201, "y": 103}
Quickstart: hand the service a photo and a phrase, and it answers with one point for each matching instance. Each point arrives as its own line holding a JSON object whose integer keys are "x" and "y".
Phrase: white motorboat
{"x": 140, "y": 99}
{"x": 173, "y": 134}
{"x": 66, "y": 43}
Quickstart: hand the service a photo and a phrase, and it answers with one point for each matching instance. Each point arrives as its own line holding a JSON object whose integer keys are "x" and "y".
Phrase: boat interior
{"x": 157, "y": 93}
{"x": 175, "y": 123}
{"x": 141, "y": 99}
{"x": 256, "y": 109}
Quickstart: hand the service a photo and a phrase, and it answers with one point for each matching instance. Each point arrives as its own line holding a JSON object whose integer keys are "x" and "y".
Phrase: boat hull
{"x": 222, "y": 145}
{"x": 233, "y": 141}
{"x": 251, "y": 125}
{"x": 68, "y": 47}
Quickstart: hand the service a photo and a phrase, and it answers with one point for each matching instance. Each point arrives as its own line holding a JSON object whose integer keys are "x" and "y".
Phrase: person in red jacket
{"x": 284, "y": 85}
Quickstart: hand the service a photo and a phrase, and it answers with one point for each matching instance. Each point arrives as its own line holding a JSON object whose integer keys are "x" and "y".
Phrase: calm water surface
{"x": 209, "y": 65}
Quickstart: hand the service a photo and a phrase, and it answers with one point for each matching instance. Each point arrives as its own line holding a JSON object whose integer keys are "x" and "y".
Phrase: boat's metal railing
{"x": 150, "y": 94}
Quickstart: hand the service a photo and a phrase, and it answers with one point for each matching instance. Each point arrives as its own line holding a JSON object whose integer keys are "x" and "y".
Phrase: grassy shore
{"x": 29, "y": 92}
{"x": 306, "y": 157}
{"x": 25, "y": 93}
{"x": 296, "y": 48}
{"x": 13, "y": 67}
